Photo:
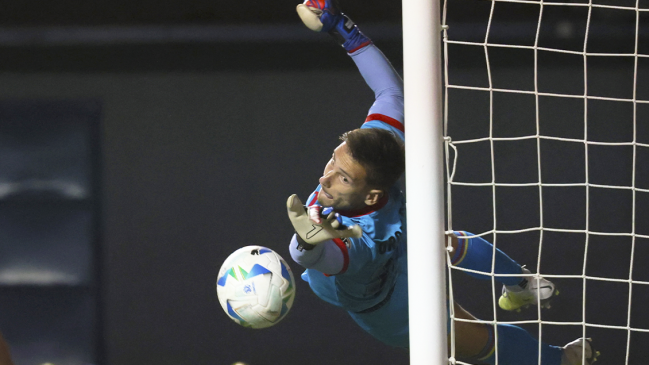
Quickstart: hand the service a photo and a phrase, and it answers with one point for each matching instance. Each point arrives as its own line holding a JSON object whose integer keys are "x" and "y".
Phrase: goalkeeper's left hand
{"x": 325, "y": 16}
{"x": 317, "y": 230}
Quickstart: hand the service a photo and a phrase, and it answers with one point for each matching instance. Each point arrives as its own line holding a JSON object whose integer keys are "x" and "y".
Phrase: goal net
{"x": 547, "y": 154}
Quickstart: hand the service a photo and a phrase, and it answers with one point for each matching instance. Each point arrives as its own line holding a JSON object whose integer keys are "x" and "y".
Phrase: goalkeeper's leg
{"x": 476, "y": 342}
{"x": 475, "y": 253}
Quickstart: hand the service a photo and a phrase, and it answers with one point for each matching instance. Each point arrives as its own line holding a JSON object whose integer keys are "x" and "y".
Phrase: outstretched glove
{"x": 325, "y": 16}
{"x": 313, "y": 232}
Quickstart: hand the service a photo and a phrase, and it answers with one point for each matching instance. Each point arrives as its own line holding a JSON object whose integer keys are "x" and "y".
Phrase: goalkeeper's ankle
{"x": 522, "y": 285}
{"x": 517, "y": 288}
{"x": 514, "y": 288}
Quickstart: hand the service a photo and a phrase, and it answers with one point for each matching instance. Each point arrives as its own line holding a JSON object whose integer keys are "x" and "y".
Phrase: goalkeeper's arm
{"x": 326, "y": 257}
{"x": 387, "y": 86}
{"x": 377, "y": 71}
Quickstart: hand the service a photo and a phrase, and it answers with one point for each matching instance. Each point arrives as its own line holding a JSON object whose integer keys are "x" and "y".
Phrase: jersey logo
{"x": 390, "y": 244}
{"x": 312, "y": 233}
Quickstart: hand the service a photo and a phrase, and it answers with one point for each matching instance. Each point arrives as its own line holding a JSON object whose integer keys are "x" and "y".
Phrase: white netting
{"x": 547, "y": 129}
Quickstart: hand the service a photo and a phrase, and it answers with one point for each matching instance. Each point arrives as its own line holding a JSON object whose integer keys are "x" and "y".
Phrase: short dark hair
{"x": 380, "y": 152}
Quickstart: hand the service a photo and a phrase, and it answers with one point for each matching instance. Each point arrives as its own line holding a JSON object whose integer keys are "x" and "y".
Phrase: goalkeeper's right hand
{"x": 313, "y": 233}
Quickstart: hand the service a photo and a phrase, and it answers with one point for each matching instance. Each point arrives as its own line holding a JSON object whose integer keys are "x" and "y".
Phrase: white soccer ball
{"x": 255, "y": 287}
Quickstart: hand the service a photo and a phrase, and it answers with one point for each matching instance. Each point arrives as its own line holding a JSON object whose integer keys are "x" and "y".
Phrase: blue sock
{"x": 517, "y": 347}
{"x": 476, "y": 253}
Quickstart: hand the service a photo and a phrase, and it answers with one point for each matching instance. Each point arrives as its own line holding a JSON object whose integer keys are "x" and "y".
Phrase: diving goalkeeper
{"x": 351, "y": 234}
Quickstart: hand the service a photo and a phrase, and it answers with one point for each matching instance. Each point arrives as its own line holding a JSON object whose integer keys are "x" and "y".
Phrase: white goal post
{"x": 424, "y": 180}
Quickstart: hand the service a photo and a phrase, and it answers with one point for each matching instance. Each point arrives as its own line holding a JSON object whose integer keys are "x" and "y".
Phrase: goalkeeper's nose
{"x": 325, "y": 180}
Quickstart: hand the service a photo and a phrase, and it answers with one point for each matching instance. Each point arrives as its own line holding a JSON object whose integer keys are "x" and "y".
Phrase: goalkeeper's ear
{"x": 373, "y": 197}
{"x": 310, "y": 17}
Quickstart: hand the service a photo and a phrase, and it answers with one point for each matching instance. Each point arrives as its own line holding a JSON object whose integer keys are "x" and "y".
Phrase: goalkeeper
{"x": 351, "y": 235}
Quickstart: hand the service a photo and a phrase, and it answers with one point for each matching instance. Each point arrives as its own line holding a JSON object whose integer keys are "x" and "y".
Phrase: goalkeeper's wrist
{"x": 347, "y": 34}
{"x": 302, "y": 244}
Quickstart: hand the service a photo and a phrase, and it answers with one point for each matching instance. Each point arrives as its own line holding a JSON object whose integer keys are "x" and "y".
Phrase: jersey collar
{"x": 367, "y": 210}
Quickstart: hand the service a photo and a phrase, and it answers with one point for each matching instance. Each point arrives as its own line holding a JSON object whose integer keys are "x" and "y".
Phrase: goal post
{"x": 424, "y": 181}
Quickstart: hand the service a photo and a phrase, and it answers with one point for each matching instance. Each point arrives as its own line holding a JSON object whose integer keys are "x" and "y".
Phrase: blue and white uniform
{"x": 367, "y": 276}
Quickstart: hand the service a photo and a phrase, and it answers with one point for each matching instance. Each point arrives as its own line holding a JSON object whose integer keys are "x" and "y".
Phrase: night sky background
{"x": 205, "y": 116}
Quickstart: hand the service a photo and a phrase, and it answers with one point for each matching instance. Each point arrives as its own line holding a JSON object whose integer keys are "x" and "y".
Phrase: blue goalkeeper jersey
{"x": 371, "y": 261}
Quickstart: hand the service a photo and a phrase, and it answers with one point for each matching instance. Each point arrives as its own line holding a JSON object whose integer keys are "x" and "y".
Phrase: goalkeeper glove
{"x": 324, "y": 16}
{"x": 319, "y": 229}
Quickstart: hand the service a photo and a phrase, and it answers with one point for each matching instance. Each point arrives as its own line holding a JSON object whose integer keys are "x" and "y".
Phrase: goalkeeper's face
{"x": 344, "y": 185}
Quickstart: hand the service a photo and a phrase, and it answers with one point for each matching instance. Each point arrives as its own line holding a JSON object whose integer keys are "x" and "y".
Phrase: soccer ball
{"x": 255, "y": 287}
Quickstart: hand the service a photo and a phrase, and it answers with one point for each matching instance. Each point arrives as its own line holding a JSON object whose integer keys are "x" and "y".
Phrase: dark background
{"x": 212, "y": 114}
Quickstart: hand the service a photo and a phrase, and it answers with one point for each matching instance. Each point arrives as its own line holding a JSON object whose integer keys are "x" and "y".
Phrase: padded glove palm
{"x": 313, "y": 233}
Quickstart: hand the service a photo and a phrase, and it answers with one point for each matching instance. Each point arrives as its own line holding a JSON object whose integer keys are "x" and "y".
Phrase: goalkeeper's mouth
{"x": 329, "y": 196}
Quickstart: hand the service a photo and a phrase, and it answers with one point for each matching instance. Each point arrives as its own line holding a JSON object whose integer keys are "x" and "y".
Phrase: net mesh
{"x": 547, "y": 154}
